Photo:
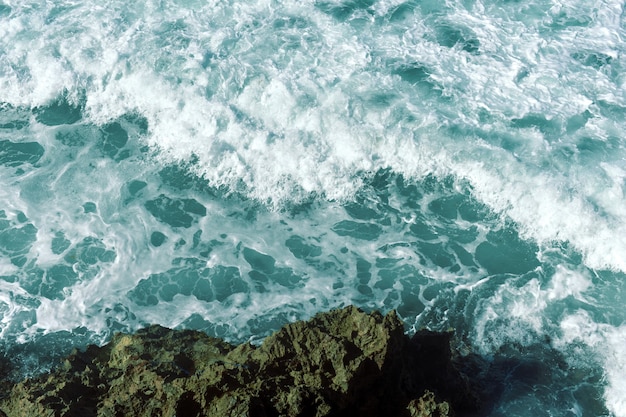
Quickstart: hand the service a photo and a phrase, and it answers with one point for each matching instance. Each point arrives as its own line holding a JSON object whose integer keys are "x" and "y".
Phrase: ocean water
{"x": 234, "y": 166}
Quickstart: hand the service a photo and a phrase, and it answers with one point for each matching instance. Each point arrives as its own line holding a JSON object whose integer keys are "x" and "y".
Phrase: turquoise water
{"x": 234, "y": 166}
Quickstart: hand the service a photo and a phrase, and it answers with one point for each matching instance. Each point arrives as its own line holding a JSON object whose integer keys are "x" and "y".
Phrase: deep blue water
{"x": 234, "y": 166}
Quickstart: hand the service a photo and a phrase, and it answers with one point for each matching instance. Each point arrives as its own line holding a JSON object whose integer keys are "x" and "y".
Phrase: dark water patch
{"x": 58, "y": 11}
{"x": 414, "y": 74}
{"x": 439, "y": 239}
{"x": 515, "y": 376}
{"x": 357, "y": 230}
{"x": 390, "y": 273}
{"x": 59, "y": 112}
{"x": 88, "y": 253}
{"x": 423, "y": 231}
{"x": 291, "y": 22}
{"x": 260, "y": 281}
{"x": 90, "y": 207}
{"x": 386, "y": 279}
{"x": 402, "y": 283}
{"x": 550, "y": 127}
{"x": 50, "y": 283}
{"x": 41, "y": 353}
{"x": 578, "y": 121}
{"x": 595, "y": 60}
{"x": 14, "y": 124}
{"x": 436, "y": 254}
{"x": 612, "y": 111}
{"x": 363, "y": 271}
{"x": 290, "y": 32}
{"x": 461, "y": 235}
{"x": 56, "y": 279}
{"x": 5, "y": 10}
{"x": 117, "y": 140}
{"x": 464, "y": 257}
{"x": 562, "y": 21}
{"x": 345, "y": 9}
{"x": 301, "y": 249}
{"x": 607, "y": 289}
{"x": 383, "y": 263}
{"x": 593, "y": 149}
{"x": 360, "y": 211}
{"x": 118, "y": 318}
{"x": 379, "y": 183}
{"x": 402, "y": 12}
{"x": 287, "y": 277}
{"x": 432, "y": 7}
{"x": 226, "y": 282}
{"x": 284, "y": 277}
{"x": 533, "y": 379}
{"x": 157, "y": 239}
{"x": 135, "y": 186}
{"x": 16, "y": 239}
{"x": 197, "y": 322}
{"x": 114, "y": 138}
{"x": 264, "y": 271}
{"x": 451, "y": 36}
{"x": 74, "y": 135}
{"x": 263, "y": 325}
{"x": 30, "y": 280}
{"x": 434, "y": 290}
{"x": 411, "y": 305}
{"x": 259, "y": 261}
{"x": 365, "y": 290}
{"x": 133, "y": 190}
{"x": 420, "y": 78}
{"x": 380, "y": 100}
{"x": 189, "y": 277}
{"x": 14, "y": 154}
{"x": 521, "y": 75}
{"x": 134, "y": 124}
{"x": 146, "y": 292}
{"x": 203, "y": 247}
{"x": 505, "y": 252}
{"x": 59, "y": 243}
{"x": 180, "y": 177}
{"x": 447, "y": 206}
{"x": 391, "y": 300}
{"x": 411, "y": 193}
{"x": 174, "y": 212}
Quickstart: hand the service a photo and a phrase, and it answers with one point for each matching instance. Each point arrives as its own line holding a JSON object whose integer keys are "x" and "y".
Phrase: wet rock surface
{"x": 340, "y": 363}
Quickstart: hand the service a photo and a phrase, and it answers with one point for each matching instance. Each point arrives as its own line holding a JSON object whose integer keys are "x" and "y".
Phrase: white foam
{"x": 11, "y": 324}
{"x": 281, "y": 151}
{"x": 565, "y": 283}
{"x": 519, "y": 312}
{"x": 546, "y": 213}
{"x": 608, "y": 343}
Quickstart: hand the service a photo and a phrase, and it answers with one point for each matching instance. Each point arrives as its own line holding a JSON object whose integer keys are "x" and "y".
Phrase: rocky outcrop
{"x": 341, "y": 363}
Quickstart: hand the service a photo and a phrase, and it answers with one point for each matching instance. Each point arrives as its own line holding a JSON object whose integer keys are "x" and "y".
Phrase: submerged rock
{"x": 341, "y": 363}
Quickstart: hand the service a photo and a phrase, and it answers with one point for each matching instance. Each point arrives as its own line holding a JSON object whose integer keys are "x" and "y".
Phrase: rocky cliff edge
{"x": 340, "y": 363}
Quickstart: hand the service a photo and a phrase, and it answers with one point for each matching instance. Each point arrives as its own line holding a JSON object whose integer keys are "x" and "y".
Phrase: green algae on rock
{"x": 343, "y": 362}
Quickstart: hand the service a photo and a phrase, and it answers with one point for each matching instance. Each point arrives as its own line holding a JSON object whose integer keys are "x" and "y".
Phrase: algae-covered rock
{"x": 341, "y": 363}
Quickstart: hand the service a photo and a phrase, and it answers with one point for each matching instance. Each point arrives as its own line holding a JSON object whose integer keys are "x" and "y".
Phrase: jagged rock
{"x": 341, "y": 363}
